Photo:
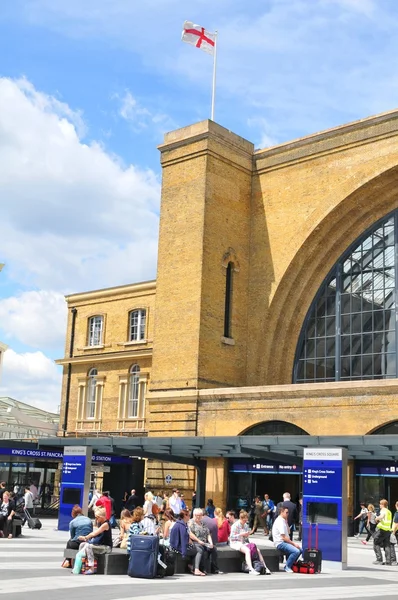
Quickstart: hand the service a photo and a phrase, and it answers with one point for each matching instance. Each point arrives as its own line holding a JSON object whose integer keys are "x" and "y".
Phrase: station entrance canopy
{"x": 194, "y": 450}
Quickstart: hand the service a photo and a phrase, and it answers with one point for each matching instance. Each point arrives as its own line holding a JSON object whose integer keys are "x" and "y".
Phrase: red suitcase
{"x": 313, "y": 555}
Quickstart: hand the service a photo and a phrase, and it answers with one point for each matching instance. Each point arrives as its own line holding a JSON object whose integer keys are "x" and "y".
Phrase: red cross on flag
{"x": 199, "y": 36}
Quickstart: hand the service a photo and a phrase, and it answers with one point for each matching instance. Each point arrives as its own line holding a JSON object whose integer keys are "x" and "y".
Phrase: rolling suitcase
{"x": 313, "y": 555}
{"x": 33, "y": 522}
{"x": 143, "y": 559}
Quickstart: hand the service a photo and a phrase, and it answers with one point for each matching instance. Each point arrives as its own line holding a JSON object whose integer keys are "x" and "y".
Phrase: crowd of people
{"x": 12, "y": 502}
{"x": 194, "y": 533}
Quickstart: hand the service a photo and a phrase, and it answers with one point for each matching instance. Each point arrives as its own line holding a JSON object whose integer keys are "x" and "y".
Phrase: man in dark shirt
{"x": 132, "y": 501}
{"x": 2, "y": 489}
{"x": 292, "y": 517}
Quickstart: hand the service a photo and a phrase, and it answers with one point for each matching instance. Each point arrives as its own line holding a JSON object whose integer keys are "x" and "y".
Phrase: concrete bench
{"x": 114, "y": 563}
{"x": 229, "y": 560}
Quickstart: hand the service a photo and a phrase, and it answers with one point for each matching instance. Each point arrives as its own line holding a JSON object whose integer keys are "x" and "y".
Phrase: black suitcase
{"x": 313, "y": 555}
{"x": 143, "y": 559}
{"x": 33, "y": 522}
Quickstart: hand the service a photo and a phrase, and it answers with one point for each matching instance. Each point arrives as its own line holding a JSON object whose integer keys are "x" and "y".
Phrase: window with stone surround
{"x": 132, "y": 390}
{"x": 89, "y": 401}
{"x": 137, "y": 325}
{"x": 95, "y": 330}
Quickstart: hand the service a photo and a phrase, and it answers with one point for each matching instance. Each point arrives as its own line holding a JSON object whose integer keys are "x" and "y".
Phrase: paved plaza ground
{"x": 30, "y": 567}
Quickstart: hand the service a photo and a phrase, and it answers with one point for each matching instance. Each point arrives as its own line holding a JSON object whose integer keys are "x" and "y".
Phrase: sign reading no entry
{"x": 168, "y": 479}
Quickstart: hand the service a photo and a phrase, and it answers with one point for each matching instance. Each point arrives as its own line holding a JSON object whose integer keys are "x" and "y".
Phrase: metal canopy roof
{"x": 190, "y": 450}
{"x": 20, "y": 421}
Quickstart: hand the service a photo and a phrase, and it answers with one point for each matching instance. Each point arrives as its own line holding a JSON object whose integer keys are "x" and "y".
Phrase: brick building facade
{"x": 246, "y": 241}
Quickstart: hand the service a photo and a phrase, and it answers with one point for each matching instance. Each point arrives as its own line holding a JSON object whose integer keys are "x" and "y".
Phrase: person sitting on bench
{"x": 7, "y": 512}
{"x": 79, "y": 526}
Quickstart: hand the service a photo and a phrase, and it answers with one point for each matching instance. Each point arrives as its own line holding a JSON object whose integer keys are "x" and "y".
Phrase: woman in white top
{"x": 371, "y": 523}
{"x": 148, "y": 504}
{"x": 363, "y": 516}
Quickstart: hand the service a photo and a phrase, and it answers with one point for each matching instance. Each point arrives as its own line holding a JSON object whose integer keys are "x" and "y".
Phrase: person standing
{"x": 259, "y": 515}
{"x": 106, "y": 503}
{"x": 268, "y": 512}
{"x": 283, "y": 541}
{"x": 363, "y": 518}
{"x": 28, "y": 503}
{"x": 371, "y": 523}
{"x": 132, "y": 501}
{"x": 175, "y": 502}
{"x": 94, "y": 497}
{"x": 382, "y": 535}
{"x": 210, "y": 508}
{"x": 2, "y": 489}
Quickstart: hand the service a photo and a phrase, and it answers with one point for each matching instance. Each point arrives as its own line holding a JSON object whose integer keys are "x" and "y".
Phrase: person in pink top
{"x": 105, "y": 501}
{"x": 224, "y": 528}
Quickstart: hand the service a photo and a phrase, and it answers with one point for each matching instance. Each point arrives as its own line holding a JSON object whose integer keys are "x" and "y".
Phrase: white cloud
{"x": 32, "y": 378}
{"x": 140, "y": 117}
{"x": 73, "y": 217}
{"x": 36, "y": 319}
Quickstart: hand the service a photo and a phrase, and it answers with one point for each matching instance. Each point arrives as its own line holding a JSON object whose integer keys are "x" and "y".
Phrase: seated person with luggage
{"x": 282, "y": 541}
{"x": 7, "y": 512}
{"x": 97, "y": 542}
{"x": 181, "y": 542}
{"x": 239, "y": 540}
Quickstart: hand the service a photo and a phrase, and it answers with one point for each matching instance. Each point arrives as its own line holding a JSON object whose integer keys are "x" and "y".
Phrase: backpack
{"x": 253, "y": 551}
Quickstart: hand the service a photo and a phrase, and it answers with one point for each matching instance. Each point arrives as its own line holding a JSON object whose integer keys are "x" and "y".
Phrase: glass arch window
{"x": 275, "y": 428}
{"x": 388, "y": 429}
{"x": 350, "y": 330}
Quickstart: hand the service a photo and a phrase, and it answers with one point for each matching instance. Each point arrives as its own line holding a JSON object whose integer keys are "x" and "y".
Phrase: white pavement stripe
{"x": 15, "y": 546}
{"x": 382, "y": 591}
{"x": 28, "y": 554}
{"x": 30, "y": 566}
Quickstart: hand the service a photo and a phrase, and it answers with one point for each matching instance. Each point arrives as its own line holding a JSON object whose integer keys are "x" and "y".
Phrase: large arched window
{"x": 275, "y": 428}
{"x": 350, "y": 330}
{"x": 388, "y": 429}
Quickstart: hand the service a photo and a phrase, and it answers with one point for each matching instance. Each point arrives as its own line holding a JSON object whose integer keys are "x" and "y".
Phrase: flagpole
{"x": 213, "y": 95}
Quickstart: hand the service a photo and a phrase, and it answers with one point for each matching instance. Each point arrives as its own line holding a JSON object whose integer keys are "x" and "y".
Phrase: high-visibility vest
{"x": 385, "y": 523}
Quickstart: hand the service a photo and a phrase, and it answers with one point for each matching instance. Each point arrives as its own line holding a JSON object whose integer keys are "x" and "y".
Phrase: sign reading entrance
{"x": 75, "y": 482}
{"x": 325, "y": 502}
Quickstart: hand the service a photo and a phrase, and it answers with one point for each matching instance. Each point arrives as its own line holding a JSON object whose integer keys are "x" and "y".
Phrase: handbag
{"x": 393, "y": 539}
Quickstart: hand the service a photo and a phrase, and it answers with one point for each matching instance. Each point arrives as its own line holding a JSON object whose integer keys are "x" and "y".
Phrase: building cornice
{"x": 132, "y": 288}
{"x": 299, "y": 390}
{"x": 106, "y": 357}
{"x": 337, "y": 139}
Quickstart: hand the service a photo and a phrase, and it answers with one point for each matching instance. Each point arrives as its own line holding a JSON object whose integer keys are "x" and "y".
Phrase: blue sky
{"x": 87, "y": 90}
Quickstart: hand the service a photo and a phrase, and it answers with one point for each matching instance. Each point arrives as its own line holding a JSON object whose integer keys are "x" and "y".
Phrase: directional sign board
{"x": 75, "y": 482}
{"x": 325, "y": 502}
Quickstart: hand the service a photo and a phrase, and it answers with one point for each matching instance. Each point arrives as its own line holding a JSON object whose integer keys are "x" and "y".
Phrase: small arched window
{"x": 134, "y": 392}
{"x": 137, "y": 325}
{"x": 228, "y": 301}
{"x": 95, "y": 330}
{"x": 91, "y": 394}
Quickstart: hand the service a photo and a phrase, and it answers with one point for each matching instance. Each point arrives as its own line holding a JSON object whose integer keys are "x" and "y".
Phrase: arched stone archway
{"x": 328, "y": 240}
{"x": 274, "y": 428}
{"x": 390, "y": 428}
